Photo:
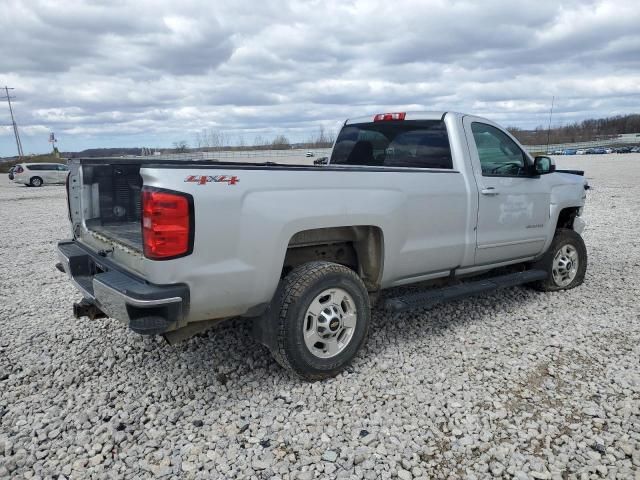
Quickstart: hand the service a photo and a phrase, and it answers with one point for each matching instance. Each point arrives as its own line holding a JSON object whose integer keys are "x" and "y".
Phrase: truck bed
{"x": 112, "y": 203}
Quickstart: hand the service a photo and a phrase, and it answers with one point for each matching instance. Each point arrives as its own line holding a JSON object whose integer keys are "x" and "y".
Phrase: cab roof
{"x": 430, "y": 115}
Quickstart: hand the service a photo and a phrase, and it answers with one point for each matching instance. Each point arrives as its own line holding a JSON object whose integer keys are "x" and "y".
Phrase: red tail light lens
{"x": 383, "y": 117}
{"x": 167, "y": 224}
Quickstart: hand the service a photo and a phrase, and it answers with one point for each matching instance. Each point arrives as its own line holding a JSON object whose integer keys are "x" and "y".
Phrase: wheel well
{"x": 566, "y": 217}
{"x": 359, "y": 248}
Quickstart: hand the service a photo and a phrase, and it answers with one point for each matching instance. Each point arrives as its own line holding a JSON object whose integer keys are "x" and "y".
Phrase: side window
{"x": 499, "y": 155}
{"x": 62, "y": 168}
{"x": 42, "y": 166}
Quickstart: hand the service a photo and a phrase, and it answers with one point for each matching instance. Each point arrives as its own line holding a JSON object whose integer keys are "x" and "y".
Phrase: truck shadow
{"x": 228, "y": 354}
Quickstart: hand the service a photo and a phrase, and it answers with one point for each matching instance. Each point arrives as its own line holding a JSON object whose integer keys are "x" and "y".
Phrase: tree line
{"x": 214, "y": 140}
{"x": 584, "y": 131}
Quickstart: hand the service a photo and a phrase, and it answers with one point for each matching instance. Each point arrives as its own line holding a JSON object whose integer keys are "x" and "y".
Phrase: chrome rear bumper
{"x": 144, "y": 307}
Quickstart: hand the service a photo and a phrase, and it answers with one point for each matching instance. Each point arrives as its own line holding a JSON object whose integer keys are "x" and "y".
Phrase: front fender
{"x": 571, "y": 194}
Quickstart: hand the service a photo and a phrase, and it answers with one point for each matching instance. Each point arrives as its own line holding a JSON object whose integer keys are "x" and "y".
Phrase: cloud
{"x": 150, "y": 72}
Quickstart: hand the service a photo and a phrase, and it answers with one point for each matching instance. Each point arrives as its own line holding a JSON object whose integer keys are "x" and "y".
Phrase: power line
{"x": 13, "y": 122}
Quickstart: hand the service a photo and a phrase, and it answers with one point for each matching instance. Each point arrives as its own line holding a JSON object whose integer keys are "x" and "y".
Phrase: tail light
{"x": 167, "y": 224}
{"x": 383, "y": 117}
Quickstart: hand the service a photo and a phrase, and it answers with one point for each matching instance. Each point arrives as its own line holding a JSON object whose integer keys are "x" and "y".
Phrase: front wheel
{"x": 320, "y": 317}
{"x": 565, "y": 261}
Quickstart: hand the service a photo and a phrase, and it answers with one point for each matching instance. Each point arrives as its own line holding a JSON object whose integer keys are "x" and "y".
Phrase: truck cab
{"x": 511, "y": 203}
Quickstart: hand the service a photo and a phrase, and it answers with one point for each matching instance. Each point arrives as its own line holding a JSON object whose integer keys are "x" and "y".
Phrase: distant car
{"x": 569, "y": 151}
{"x": 581, "y": 151}
{"x": 609, "y": 150}
{"x": 623, "y": 150}
{"x": 635, "y": 150}
{"x": 11, "y": 172}
{"x": 596, "y": 151}
{"x": 311, "y": 154}
{"x": 557, "y": 152}
{"x": 38, "y": 174}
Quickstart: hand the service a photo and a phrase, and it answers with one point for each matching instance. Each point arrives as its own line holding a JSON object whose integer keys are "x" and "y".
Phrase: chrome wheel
{"x": 565, "y": 265}
{"x": 329, "y": 323}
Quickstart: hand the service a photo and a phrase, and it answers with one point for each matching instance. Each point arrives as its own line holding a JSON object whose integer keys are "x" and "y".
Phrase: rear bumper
{"x": 146, "y": 308}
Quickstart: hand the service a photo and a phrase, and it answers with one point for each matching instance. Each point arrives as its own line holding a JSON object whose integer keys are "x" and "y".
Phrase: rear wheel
{"x": 35, "y": 182}
{"x": 565, "y": 261}
{"x": 320, "y": 317}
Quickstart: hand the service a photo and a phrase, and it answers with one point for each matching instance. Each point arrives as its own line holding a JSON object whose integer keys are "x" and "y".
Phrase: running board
{"x": 428, "y": 298}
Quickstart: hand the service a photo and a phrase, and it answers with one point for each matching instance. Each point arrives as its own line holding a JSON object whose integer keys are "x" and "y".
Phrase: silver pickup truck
{"x": 445, "y": 199}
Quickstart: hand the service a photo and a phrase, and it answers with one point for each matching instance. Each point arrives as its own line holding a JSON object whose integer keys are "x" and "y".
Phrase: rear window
{"x": 407, "y": 144}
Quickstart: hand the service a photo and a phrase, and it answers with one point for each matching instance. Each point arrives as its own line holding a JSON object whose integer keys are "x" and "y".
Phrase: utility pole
{"x": 549, "y": 129}
{"x": 13, "y": 122}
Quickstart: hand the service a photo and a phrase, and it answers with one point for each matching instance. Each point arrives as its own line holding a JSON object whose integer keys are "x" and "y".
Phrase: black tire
{"x": 36, "y": 182}
{"x": 286, "y": 318}
{"x": 563, "y": 237}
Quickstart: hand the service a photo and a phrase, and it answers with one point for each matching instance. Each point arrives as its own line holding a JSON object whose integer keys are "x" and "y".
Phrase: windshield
{"x": 408, "y": 144}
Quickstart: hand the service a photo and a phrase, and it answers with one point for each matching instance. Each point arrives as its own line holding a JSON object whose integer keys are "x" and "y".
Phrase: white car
{"x": 582, "y": 151}
{"x": 38, "y": 174}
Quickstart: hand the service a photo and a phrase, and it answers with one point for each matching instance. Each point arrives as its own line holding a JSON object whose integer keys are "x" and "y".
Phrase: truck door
{"x": 513, "y": 206}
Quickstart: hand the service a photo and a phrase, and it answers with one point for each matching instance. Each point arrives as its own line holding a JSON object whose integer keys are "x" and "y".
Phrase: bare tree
{"x": 322, "y": 139}
{"x": 280, "y": 142}
{"x": 199, "y": 140}
{"x": 181, "y": 147}
{"x": 211, "y": 139}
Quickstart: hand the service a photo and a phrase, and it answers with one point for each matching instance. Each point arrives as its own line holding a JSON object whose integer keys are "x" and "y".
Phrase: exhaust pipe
{"x": 86, "y": 308}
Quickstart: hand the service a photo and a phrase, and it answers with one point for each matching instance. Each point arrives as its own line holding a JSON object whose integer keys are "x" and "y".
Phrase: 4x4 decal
{"x": 203, "y": 179}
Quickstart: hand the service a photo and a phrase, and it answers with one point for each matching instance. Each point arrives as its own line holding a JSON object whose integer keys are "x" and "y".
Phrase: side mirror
{"x": 543, "y": 165}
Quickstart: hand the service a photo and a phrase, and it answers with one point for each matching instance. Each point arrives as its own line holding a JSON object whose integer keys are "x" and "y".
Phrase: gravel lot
{"x": 519, "y": 384}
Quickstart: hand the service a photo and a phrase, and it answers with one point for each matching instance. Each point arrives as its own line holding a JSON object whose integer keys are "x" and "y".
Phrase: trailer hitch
{"x": 86, "y": 308}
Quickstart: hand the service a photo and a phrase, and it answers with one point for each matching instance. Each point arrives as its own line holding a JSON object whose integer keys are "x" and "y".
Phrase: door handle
{"x": 491, "y": 191}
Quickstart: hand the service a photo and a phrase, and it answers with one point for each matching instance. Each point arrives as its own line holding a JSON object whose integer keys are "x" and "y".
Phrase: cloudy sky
{"x": 107, "y": 73}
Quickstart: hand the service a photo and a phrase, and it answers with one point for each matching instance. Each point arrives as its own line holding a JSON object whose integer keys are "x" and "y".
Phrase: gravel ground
{"x": 518, "y": 384}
